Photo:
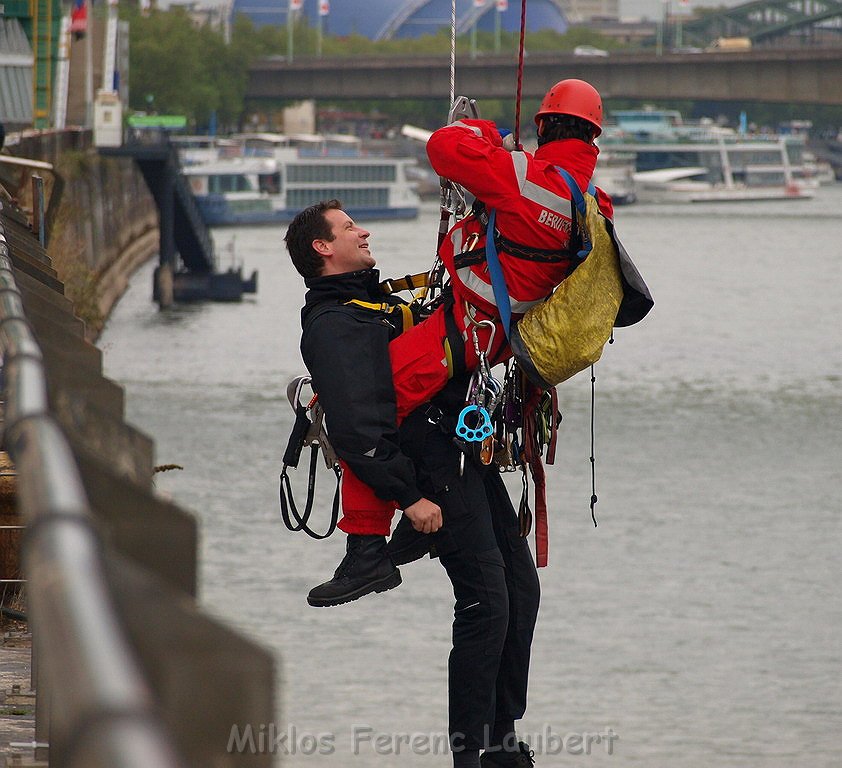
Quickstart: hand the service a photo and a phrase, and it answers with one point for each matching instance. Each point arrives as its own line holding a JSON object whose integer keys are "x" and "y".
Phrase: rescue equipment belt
{"x": 550, "y": 256}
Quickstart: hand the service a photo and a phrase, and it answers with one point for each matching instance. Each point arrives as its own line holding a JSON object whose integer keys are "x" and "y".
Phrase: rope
{"x": 593, "y": 457}
{"x": 453, "y": 51}
{"x": 520, "y": 71}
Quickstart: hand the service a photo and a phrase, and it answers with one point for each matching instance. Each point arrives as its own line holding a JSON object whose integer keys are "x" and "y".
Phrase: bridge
{"x": 787, "y": 76}
{"x": 770, "y": 22}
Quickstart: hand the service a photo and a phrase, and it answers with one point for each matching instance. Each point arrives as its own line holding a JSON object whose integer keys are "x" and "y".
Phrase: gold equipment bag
{"x": 566, "y": 333}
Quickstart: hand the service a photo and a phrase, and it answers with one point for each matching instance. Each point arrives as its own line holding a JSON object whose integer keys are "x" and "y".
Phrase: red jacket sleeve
{"x": 470, "y": 153}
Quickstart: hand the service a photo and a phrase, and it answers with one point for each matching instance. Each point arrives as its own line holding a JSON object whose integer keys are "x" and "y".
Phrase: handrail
{"x": 102, "y": 712}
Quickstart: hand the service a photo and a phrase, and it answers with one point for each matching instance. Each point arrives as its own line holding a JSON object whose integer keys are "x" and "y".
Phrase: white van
{"x": 588, "y": 50}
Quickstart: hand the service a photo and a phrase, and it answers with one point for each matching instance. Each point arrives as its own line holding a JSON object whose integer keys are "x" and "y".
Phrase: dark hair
{"x": 308, "y": 225}
{"x": 566, "y": 127}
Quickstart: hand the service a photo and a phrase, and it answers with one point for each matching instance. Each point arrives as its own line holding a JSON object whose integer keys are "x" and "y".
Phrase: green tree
{"x": 178, "y": 68}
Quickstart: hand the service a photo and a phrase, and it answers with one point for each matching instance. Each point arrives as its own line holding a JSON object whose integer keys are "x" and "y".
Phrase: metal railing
{"x": 102, "y": 711}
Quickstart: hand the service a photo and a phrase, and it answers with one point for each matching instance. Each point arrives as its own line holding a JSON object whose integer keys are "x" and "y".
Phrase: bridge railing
{"x": 101, "y": 708}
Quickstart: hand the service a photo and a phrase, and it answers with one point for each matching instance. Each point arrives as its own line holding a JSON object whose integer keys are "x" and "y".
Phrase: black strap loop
{"x": 295, "y": 521}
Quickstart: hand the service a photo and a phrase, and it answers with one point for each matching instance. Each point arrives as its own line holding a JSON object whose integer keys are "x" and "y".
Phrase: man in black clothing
{"x": 468, "y": 516}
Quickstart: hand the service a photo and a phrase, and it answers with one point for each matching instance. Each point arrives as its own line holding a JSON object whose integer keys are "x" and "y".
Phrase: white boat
{"x": 702, "y": 162}
{"x": 673, "y": 185}
{"x": 814, "y": 172}
{"x": 268, "y": 178}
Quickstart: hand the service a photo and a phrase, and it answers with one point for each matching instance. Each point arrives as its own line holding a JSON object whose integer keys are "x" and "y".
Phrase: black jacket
{"x": 346, "y": 350}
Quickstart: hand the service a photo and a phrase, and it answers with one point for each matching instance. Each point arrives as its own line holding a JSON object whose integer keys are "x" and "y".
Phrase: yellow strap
{"x": 406, "y": 283}
{"x": 374, "y": 306}
{"x": 448, "y": 355}
{"x": 407, "y": 320}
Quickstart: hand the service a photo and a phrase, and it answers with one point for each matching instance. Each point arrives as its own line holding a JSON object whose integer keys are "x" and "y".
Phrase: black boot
{"x": 523, "y": 758}
{"x": 407, "y": 544}
{"x": 365, "y": 568}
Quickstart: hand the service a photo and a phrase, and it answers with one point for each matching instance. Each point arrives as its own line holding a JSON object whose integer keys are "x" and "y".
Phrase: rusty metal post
{"x": 38, "y": 209}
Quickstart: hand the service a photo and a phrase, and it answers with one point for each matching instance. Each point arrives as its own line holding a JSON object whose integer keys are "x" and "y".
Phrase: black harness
{"x": 306, "y": 431}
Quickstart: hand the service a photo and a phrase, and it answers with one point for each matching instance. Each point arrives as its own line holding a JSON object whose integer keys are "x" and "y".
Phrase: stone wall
{"x": 105, "y": 226}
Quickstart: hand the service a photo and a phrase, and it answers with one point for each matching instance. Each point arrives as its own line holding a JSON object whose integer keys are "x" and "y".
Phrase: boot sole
{"x": 382, "y": 585}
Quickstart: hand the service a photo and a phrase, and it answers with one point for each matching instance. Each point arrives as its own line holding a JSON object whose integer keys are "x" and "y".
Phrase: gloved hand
{"x": 508, "y": 140}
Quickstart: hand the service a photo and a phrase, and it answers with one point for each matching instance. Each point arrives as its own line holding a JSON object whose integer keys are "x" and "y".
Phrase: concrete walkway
{"x": 17, "y": 700}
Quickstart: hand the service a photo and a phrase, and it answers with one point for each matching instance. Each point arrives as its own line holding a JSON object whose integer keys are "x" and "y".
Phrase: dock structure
{"x": 126, "y": 668}
{"x": 188, "y": 269}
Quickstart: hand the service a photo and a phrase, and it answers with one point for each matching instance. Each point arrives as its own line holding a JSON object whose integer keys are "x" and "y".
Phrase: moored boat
{"x": 268, "y": 178}
{"x": 702, "y": 162}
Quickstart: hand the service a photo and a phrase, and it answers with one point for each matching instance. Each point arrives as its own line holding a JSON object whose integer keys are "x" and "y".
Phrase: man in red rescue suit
{"x": 534, "y": 219}
{"x": 346, "y": 346}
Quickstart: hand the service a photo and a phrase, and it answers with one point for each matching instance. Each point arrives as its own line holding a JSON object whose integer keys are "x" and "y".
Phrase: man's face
{"x": 348, "y": 251}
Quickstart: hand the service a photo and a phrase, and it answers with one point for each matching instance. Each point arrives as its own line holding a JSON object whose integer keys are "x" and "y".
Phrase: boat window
{"x": 322, "y": 173}
{"x": 229, "y": 182}
{"x": 270, "y": 182}
{"x": 351, "y": 198}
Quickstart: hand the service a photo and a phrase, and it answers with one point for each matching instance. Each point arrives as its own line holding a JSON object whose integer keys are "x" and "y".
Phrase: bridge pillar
{"x": 162, "y": 290}
{"x": 167, "y": 257}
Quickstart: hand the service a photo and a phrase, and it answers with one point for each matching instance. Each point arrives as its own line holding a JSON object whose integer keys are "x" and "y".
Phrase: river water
{"x": 699, "y": 623}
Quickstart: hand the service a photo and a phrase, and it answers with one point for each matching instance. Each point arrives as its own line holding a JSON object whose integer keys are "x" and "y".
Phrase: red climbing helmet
{"x": 573, "y": 97}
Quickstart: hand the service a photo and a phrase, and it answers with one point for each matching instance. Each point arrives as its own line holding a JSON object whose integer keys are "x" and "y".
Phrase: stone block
{"x": 153, "y": 532}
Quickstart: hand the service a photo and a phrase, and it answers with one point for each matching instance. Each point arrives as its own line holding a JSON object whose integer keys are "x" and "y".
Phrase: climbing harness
{"x": 308, "y": 430}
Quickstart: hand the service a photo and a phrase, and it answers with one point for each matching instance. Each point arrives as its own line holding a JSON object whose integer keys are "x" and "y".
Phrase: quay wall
{"x": 106, "y": 223}
{"x": 130, "y": 671}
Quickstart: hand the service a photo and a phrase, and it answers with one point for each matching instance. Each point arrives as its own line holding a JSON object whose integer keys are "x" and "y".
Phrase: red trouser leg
{"x": 363, "y": 512}
{"x": 419, "y": 371}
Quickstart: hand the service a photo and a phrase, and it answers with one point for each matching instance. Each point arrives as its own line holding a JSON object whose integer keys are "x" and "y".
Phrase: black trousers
{"x": 495, "y": 586}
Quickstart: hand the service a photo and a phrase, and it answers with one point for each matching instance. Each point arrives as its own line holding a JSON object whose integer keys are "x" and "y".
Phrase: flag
{"x": 324, "y": 7}
{"x": 295, "y": 5}
{"x": 79, "y": 18}
{"x": 502, "y": 5}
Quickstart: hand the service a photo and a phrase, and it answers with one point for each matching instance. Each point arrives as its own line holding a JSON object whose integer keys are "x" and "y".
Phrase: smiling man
{"x": 345, "y": 346}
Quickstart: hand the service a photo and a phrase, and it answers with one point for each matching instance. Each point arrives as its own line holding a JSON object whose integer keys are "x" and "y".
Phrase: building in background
{"x": 15, "y": 75}
{"x": 40, "y": 22}
{"x": 388, "y": 19}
